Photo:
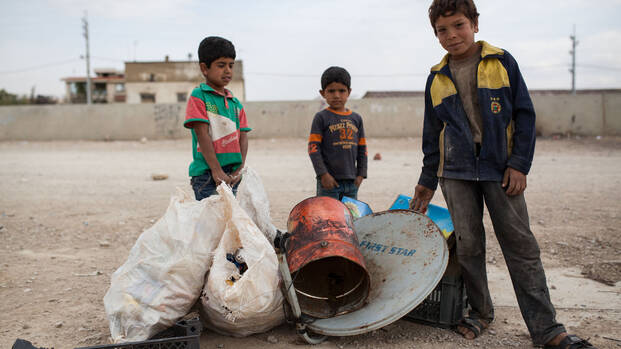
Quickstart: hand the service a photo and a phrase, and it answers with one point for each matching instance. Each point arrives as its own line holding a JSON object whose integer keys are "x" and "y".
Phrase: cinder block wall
{"x": 590, "y": 114}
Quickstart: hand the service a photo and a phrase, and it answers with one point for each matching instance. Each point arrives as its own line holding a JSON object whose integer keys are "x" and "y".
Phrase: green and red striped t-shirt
{"x": 226, "y": 118}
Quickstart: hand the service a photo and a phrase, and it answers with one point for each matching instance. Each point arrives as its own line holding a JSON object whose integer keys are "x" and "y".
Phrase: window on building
{"x": 182, "y": 96}
{"x": 119, "y": 87}
{"x": 147, "y": 98}
{"x": 151, "y": 77}
{"x": 78, "y": 92}
{"x": 100, "y": 93}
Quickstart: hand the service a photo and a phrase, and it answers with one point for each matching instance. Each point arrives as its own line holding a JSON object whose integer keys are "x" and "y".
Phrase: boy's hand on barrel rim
{"x": 421, "y": 199}
{"x": 328, "y": 182}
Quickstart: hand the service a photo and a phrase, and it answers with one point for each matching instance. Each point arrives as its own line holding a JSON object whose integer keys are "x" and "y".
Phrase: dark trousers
{"x": 346, "y": 188}
{"x": 520, "y": 249}
{"x": 204, "y": 185}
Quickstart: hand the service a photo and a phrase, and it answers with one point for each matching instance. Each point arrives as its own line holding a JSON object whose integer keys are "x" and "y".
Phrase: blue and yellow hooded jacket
{"x": 508, "y": 123}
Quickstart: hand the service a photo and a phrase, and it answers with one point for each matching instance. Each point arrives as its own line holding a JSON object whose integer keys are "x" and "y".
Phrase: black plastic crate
{"x": 184, "y": 334}
{"x": 444, "y": 307}
{"x": 189, "y": 327}
{"x": 446, "y": 304}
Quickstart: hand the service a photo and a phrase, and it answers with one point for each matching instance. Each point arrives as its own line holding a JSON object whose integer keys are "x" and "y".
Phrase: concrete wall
{"x": 584, "y": 114}
{"x": 580, "y": 114}
{"x": 386, "y": 117}
{"x": 611, "y": 114}
{"x": 95, "y": 122}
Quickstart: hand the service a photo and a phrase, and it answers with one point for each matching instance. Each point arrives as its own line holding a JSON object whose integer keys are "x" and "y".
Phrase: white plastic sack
{"x": 253, "y": 302}
{"x": 165, "y": 271}
{"x": 253, "y": 199}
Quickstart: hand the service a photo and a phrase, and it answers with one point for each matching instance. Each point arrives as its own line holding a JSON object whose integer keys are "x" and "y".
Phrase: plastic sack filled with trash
{"x": 166, "y": 268}
{"x": 242, "y": 295}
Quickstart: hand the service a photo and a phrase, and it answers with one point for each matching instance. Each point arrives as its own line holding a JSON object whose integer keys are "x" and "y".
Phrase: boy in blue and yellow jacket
{"x": 478, "y": 144}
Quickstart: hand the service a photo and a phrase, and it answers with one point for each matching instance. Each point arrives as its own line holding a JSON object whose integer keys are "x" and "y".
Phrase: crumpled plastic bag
{"x": 165, "y": 270}
{"x": 253, "y": 199}
{"x": 237, "y": 302}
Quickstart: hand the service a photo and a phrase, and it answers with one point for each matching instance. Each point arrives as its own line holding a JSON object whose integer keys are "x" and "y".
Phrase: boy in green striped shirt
{"x": 217, "y": 121}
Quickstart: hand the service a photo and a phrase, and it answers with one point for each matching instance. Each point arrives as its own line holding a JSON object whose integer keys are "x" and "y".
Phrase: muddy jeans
{"x": 519, "y": 247}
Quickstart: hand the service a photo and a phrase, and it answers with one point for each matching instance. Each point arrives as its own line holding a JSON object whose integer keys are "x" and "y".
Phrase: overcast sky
{"x": 286, "y": 44}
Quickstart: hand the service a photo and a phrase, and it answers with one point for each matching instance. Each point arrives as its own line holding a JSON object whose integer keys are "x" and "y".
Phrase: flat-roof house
{"x": 107, "y": 86}
{"x": 171, "y": 81}
{"x": 148, "y": 82}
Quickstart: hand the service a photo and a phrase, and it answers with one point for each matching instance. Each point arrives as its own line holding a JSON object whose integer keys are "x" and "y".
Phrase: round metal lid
{"x": 406, "y": 256}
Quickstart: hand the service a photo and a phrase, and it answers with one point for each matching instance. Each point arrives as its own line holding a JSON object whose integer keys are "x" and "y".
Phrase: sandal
{"x": 471, "y": 326}
{"x": 571, "y": 342}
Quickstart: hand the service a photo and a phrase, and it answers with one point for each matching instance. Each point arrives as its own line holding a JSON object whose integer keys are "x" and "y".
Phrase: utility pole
{"x": 574, "y": 43}
{"x": 88, "y": 60}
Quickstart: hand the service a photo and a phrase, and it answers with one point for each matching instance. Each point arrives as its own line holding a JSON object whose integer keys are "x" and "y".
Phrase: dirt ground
{"x": 70, "y": 212}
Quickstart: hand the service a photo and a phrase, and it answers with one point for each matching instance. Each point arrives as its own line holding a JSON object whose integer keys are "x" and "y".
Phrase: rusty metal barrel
{"x": 326, "y": 265}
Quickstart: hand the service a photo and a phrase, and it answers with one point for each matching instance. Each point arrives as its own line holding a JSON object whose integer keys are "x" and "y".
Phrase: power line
{"x": 40, "y": 66}
{"x": 296, "y": 75}
{"x": 53, "y": 64}
{"x": 594, "y": 66}
{"x": 406, "y": 75}
{"x": 283, "y": 75}
{"x": 109, "y": 59}
{"x": 299, "y": 75}
{"x": 546, "y": 66}
{"x": 559, "y": 66}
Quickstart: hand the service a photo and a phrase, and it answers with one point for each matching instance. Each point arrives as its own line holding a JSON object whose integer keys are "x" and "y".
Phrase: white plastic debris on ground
{"x": 166, "y": 268}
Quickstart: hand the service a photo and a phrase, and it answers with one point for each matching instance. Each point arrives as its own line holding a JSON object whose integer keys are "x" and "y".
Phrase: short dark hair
{"x": 214, "y": 47}
{"x": 335, "y": 74}
{"x": 450, "y": 7}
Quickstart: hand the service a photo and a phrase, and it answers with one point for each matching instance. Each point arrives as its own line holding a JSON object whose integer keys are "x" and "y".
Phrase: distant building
{"x": 171, "y": 81}
{"x": 148, "y": 82}
{"x": 108, "y": 86}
